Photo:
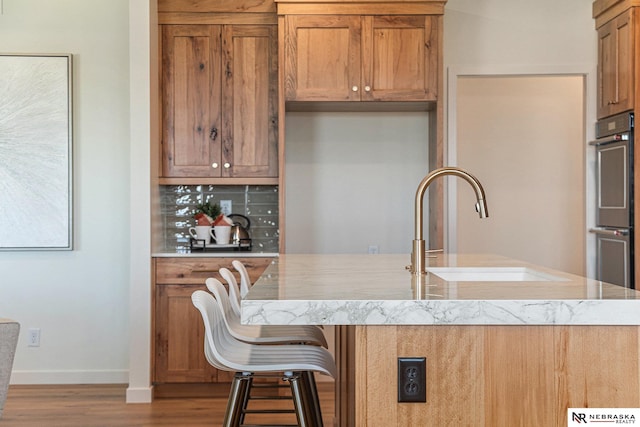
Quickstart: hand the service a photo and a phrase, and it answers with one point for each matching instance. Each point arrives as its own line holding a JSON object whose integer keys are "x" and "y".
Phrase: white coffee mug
{"x": 202, "y": 232}
{"x": 221, "y": 234}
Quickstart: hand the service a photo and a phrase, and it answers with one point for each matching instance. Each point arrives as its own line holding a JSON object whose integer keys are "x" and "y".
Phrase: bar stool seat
{"x": 296, "y": 363}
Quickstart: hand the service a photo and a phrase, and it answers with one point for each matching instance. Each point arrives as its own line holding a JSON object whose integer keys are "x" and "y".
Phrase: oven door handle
{"x": 608, "y": 140}
{"x": 608, "y": 232}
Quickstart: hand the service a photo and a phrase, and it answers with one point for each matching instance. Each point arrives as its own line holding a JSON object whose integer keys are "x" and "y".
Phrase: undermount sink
{"x": 492, "y": 274}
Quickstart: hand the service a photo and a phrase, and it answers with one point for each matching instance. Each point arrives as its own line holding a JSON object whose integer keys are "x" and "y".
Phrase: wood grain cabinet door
{"x": 191, "y": 80}
{"x": 179, "y": 338}
{"x": 400, "y": 58}
{"x": 250, "y": 102}
{"x": 322, "y": 57}
{"x": 178, "y": 329}
{"x": 361, "y": 58}
{"x": 615, "y": 65}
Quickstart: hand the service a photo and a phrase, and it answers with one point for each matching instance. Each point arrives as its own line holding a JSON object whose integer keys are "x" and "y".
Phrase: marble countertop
{"x": 378, "y": 290}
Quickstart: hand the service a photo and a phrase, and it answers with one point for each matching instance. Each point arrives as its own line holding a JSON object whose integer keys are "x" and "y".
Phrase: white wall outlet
{"x": 225, "y": 206}
{"x": 373, "y": 249}
{"x": 34, "y": 337}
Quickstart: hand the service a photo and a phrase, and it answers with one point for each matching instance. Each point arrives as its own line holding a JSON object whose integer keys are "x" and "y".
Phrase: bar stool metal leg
{"x": 313, "y": 399}
{"x": 245, "y": 400}
{"x": 298, "y": 393}
{"x": 237, "y": 395}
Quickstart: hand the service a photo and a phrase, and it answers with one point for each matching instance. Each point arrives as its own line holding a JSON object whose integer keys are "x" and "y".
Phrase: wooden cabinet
{"x": 616, "y": 65}
{"x": 361, "y": 58}
{"x": 178, "y": 329}
{"x": 219, "y": 99}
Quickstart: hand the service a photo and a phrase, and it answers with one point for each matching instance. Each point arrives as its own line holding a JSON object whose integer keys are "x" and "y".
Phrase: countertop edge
{"x": 444, "y": 312}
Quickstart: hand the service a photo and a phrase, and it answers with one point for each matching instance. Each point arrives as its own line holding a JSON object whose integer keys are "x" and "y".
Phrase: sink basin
{"x": 492, "y": 274}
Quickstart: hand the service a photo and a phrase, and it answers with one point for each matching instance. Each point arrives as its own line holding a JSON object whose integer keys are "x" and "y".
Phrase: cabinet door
{"x": 400, "y": 58}
{"x": 179, "y": 338}
{"x": 250, "y": 103}
{"x": 615, "y": 65}
{"x": 191, "y": 79}
{"x": 322, "y": 58}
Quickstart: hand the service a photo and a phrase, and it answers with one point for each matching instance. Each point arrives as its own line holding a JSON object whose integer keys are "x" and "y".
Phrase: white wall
{"x": 519, "y": 32}
{"x": 496, "y": 37}
{"x": 531, "y": 165}
{"x": 79, "y": 298}
{"x": 350, "y": 178}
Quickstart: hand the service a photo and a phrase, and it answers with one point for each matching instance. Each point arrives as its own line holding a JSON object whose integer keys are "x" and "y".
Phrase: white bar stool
{"x": 297, "y": 363}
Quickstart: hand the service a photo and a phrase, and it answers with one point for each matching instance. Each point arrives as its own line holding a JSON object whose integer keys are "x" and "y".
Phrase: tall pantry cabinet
{"x": 219, "y": 99}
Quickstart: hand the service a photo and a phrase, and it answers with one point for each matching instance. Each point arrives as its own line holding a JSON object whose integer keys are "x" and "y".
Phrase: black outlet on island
{"x": 412, "y": 379}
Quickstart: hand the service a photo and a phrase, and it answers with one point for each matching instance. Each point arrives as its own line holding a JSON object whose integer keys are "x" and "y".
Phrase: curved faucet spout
{"x": 419, "y": 251}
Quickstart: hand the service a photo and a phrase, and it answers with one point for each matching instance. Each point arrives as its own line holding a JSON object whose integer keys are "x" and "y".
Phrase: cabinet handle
{"x": 227, "y": 165}
{"x": 367, "y": 88}
{"x": 354, "y": 88}
{"x": 214, "y": 165}
{"x": 213, "y": 134}
{"x": 612, "y": 102}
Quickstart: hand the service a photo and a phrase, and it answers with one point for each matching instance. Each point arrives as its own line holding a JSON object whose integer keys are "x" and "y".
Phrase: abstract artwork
{"x": 35, "y": 152}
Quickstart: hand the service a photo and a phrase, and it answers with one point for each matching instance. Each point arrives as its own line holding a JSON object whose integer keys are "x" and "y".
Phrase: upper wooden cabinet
{"x": 618, "y": 60}
{"x": 616, "y": 48}
{"x": 361, "y": 57}
{"x": 219, "y": 89}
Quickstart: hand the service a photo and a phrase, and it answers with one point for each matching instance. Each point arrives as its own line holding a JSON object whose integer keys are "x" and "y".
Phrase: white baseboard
{"x": 70, "y": 377}
{"x": 140, "y": 395}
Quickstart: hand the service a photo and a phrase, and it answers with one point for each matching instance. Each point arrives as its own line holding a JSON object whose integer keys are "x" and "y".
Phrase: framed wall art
{"x": 36, "y": 203}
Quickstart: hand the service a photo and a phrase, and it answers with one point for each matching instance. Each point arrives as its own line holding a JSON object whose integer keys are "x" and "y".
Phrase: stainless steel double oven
{"x": 615, "y": 204}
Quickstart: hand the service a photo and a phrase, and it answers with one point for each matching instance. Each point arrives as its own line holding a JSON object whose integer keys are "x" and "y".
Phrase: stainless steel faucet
{"x": 419, "y": 251}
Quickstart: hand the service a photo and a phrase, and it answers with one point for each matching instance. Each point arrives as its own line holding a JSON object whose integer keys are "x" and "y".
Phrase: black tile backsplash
{"x": 257, "y": 202}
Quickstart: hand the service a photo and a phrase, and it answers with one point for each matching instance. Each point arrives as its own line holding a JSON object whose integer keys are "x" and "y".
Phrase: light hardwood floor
{"x": 104, "y": 406}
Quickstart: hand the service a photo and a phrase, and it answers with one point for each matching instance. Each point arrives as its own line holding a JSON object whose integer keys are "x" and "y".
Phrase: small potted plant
{"x": 206, "y": 213}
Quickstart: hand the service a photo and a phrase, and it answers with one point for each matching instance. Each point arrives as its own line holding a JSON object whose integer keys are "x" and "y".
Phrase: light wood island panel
{"x": 487, "y": 375}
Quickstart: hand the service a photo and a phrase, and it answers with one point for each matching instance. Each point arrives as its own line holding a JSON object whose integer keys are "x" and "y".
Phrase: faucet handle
{"x": 432, "y": 251}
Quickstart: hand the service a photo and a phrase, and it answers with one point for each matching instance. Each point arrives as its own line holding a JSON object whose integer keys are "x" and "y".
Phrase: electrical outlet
{"x": 373, "y": 249}
{"x": 225, "y": 206}
{"x": 412, "y": 379}
{"x": 34, "y": 337}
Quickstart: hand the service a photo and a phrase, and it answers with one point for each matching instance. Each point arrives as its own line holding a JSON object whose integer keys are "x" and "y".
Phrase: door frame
{"x": 588, "y": 72}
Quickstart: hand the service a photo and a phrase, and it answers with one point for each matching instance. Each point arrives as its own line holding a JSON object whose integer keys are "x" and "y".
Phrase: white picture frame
{"x": 36, "y": 152}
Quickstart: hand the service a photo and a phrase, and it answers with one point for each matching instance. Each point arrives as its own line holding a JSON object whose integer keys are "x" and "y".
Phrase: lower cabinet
{"x": 178, "y": 331}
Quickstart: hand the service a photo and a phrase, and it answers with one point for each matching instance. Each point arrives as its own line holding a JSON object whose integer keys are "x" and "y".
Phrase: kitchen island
{"x": 507, "y": 343}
